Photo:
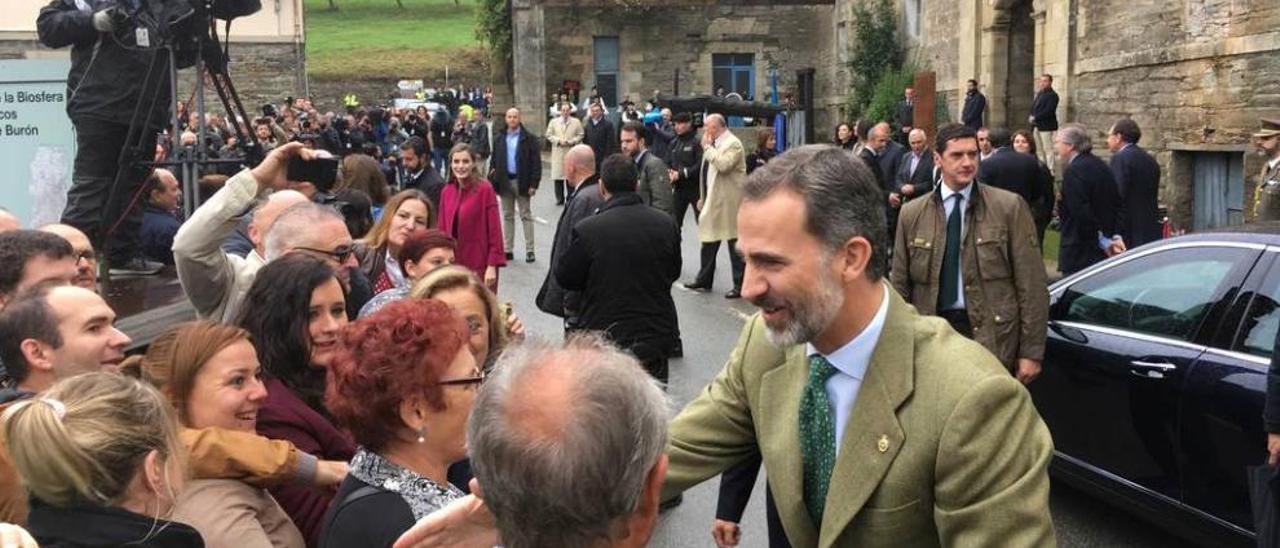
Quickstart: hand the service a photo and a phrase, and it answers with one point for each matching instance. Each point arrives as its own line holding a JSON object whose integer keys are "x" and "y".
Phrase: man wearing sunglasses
{"x": 215, "y": 281}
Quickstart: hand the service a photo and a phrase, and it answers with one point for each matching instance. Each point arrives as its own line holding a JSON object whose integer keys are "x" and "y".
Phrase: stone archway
{"x": 1009, "y": 61}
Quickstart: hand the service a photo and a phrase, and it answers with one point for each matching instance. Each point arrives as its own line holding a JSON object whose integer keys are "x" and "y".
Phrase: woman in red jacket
{"x": 469, "y": 213}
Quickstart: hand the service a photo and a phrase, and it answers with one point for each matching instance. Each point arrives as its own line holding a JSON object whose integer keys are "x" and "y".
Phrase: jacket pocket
{"x": 885, "y": 519}
{"x": 921, "y": 255}
{"x": 993, "y": 255}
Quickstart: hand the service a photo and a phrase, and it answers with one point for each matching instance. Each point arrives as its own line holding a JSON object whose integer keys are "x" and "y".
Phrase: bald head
{"x": 86, "y": 259}
{"x": 579, "y": 163}
{"x": 567, "y": 444}
{"x": 8, "y": 221}
{"x": 267, "y": 213}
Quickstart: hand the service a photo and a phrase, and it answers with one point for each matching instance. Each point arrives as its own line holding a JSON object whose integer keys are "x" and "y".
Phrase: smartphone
{"x": 321, "y": 172}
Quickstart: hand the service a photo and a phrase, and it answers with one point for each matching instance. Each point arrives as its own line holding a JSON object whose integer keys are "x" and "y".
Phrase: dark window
{"x": 1166, "y": 293}
{"x": 606, "y": 68}
{"x": 1258, "y": 333}
{"x": 735, "y": 72}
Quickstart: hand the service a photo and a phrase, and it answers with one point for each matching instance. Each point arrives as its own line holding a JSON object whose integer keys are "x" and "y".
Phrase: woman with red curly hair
{"x": 403, "y": 383}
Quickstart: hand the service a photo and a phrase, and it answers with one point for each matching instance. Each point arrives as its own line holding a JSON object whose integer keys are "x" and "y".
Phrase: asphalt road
{"x": 710, "y": 326}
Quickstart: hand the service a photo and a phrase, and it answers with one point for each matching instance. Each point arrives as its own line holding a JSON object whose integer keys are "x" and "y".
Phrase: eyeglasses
{"x": 339, "y": 253}
{"x": 86, "y": 255}
{"x": 477, "y": 378}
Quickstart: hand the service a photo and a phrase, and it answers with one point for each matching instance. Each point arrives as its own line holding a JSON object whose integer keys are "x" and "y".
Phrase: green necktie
{"x": 817, "y": 437}
{"x": 949, "y": 292}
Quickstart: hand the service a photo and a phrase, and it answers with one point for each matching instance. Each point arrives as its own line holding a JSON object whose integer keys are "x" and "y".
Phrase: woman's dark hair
{"x": 835, "y": 135}
{"x": 276, "y": 313}
{"x": 362, "y": 172}
{"x": 1025, "y": 135}
{"x": 762, "y": 137}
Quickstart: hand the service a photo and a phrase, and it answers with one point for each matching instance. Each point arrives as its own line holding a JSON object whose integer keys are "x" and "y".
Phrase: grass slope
{"x": 377, "y": 38}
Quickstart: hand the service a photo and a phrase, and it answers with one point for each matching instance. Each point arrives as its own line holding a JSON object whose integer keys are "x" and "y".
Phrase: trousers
{"x": 112, "y": 220}
{"x": 707, "y": 272}
{"x": 1044, "y": 145}
{"x": 511, "y": 201}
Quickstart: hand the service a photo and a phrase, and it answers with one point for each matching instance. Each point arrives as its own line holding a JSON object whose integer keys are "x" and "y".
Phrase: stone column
{"x": 529, "y": 62}
{"x": 994, "y": 67}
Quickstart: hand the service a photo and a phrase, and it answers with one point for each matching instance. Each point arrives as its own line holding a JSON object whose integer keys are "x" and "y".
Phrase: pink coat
{"x": 478, "y": 228}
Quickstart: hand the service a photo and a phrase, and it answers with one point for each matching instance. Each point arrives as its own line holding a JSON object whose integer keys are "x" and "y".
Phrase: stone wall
{"x": 684, "y": 36}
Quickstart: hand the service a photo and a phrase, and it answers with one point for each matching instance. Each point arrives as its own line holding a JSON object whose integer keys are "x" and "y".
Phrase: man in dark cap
{"x": 1266, "y": 197}
{"x": 684, "y": 157}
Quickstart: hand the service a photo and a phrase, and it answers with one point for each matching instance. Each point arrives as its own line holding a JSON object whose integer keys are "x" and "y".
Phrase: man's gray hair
{"x": 293, "y": 228}
{"x": 717, "y": 118}
{"x": 1076, "y": 136}
{"x": 841, "y": 196}
{"x": 566, "y": 476}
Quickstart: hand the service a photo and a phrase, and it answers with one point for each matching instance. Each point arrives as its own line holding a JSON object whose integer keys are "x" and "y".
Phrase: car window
{"x": 1258, "y": 331}
{"x": 1166, "y": 293}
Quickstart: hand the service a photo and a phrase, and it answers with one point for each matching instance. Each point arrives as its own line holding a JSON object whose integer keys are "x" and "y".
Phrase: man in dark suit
{"x": 890, "y": 156}
{"x": 684, "y": 158}
{"x": 583, "y": 199}
{"x": 870, "y": 154}
{"x": 1006, "y": 169}
{"x": 975, "y": 106}
{"x": 1044, "y": 117}
{"x": 624, "y": 259}
{"x": 1138, "y": 180}
{"x": 516, "y": 170}
{"x": 904, "y": 115}
{"x": 1090, "y": 201}
{"x": 914, "y": 177}
{"x": 600, "y": 135}
{"x": 1020, "y": 174}
{"x": 417, "y": 170}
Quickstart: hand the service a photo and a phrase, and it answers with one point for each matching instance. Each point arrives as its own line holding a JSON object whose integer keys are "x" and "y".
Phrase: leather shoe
{"x": 510, "y": 255}
{"x": 733, "y": 294}
{"x": 528, "y": 257}
{"x": 697, "y": 287}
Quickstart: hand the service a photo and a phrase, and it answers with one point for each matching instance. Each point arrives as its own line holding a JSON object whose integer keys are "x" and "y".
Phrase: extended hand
{"x": 12, "y": 536}
{"x": 1273, "y": 449}
{"x": 464, "y": 523}
{"x": 515, "y": 328}
{"x": 727, "y": 534}
{"x": 1028, "y": 370}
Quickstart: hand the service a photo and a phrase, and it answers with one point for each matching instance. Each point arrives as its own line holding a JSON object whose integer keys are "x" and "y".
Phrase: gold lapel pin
{"x": 883, "y": 444}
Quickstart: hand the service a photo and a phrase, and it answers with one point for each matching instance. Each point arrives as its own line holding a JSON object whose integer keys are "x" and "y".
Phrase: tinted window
{"x": 1258, "y": 332}
{"x": 1166, "y": 293}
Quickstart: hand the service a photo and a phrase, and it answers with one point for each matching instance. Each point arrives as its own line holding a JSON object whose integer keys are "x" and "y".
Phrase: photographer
{"x": 104, "y": 86}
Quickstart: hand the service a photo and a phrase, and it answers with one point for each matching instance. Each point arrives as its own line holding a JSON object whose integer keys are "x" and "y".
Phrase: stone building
{"x": 1195, "y": 74}
{"x": 267, "y": 53}
{"x": 632, "y": 47}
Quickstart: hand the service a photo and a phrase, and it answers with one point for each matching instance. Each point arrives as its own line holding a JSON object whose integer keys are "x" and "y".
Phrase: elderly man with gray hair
{"x": 567, "y": 445}
{"x": 216, "y": 281}
{"x": 1088, "y": 213}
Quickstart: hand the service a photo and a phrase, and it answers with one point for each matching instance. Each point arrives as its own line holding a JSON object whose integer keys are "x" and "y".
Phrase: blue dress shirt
{"x": 513, "y": 141}
{"x": 851, "y": 361}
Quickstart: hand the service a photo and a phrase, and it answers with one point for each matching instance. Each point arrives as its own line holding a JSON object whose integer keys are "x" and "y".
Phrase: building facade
{"x": 1195, "y": 74}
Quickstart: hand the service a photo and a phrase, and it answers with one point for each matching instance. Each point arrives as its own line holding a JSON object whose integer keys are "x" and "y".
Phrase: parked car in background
{"x": 1155, "y": 377}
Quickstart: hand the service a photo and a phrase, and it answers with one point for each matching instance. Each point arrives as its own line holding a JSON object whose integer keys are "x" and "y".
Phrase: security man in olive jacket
{"x": 967, "y": 252}
{"x": 1266, "y": 196}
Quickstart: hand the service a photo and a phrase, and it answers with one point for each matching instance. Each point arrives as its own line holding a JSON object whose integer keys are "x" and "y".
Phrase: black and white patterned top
{"x": 421, "y": 494}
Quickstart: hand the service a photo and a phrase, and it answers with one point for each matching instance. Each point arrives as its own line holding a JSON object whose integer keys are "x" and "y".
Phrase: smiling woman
{"x": 293, "y": 313}
{"x": 213, "y": 380}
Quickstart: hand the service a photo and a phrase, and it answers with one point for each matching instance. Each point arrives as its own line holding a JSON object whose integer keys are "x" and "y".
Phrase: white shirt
{"x": 851, "y": 361}
{"x": 948, "y": 204}
{"x": 393, "y": 271}
{"x": 915, "y": 161}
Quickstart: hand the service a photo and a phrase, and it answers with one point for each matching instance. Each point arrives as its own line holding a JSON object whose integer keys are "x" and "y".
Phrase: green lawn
{"x": 377, "y": 38}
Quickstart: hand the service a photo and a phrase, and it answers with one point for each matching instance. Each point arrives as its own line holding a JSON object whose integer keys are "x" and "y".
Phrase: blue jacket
{"x": 158, "y": 229}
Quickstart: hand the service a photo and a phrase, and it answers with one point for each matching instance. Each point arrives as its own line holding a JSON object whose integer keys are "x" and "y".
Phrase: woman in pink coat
{"x": 469, "y": 213}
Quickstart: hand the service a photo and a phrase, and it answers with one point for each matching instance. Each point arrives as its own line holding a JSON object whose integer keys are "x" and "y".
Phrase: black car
{"x": 1155, "y": 377}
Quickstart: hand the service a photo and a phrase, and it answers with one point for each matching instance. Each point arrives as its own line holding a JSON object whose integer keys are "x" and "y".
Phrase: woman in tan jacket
{"x": 210, "y": 373}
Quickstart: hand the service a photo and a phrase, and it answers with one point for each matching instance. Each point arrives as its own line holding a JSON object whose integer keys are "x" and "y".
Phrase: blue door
{"x": 734, "y": 73}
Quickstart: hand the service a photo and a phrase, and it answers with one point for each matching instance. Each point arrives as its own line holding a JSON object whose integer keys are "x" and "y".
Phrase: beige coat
{"x": 562, "y": 136}
{"x": 233, "y": 514}
{"x": 725, "y": 164}
{"x": 942, "y": 448}
{"x": 216, "y": 282}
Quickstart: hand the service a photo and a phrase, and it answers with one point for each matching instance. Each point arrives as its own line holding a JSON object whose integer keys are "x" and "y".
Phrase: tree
{"x": 874, "y": 51}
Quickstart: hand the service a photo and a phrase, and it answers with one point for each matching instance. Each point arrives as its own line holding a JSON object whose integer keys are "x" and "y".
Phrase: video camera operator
{"x": 105, "y": 84}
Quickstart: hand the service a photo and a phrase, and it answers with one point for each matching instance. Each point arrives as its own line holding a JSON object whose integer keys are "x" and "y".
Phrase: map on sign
{"x": 37, "y": 142}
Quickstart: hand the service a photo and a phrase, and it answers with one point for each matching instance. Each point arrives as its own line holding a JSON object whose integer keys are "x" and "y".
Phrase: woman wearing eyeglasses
{"x": 403, "y": 383}
{"x": 294, "y": 312}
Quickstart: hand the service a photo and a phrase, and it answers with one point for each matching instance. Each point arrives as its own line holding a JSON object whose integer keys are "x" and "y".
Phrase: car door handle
{"x": 1150, "y": 370}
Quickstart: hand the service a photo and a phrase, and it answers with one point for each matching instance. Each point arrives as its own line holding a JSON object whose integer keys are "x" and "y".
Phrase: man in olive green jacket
{"x": 1000, "y": 296}
{"x": 924, "y": 439}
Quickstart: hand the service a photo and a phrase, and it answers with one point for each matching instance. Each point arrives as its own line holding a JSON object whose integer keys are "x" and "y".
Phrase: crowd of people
{"x": 353, "y": 378}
